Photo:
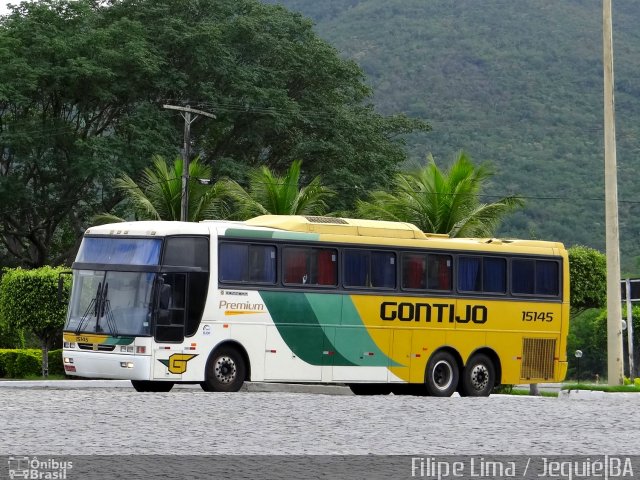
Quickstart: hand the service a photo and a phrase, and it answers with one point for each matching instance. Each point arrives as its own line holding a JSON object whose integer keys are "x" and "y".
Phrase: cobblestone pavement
{"x": 189, "y": 421}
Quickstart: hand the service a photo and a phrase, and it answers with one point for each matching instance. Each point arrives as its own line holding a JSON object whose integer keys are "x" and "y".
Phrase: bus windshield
{"x": 108, "y": 302}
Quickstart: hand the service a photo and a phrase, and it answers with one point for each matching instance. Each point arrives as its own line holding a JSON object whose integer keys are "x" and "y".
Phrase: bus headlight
{"x": 126, "y": 348}
{"x": 68, "y": 359}
{"x": 126, "y": 364}
{"x": 68, "y": 345}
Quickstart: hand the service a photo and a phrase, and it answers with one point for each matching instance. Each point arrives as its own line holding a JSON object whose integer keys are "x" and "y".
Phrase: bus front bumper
{"x": 107, "y": 365}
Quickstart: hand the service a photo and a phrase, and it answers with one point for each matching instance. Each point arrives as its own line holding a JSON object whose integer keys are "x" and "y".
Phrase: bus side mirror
{"x": 61, "y": 298}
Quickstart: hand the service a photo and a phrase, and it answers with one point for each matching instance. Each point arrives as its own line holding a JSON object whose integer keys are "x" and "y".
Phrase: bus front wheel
{"x": 441, "y": 377}
{"x": 225, "y": 372}
{"x": 149, "y": 386}
{"x": 478, "y": 377}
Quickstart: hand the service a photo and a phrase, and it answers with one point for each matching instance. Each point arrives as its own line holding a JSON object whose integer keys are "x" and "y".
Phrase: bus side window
{"x": 383, "y": 269}
{"x": 295, "y": 265}
{"x": 310, "y": 266}
{"x": 233, "y": 262}
{"x": 523, "y": 276}
{"x": 363, "y": 268}
{"x": 439, "y": 272}
{"x": 356, "y": 268}
{"x": 541, "y": 277}
{"x": 327, "y": 267}
{"x": 494, "y": 275}
{"x": 547, "y": 278}
{"x": 413, "y": 271}
{"x": 469, "y": 274}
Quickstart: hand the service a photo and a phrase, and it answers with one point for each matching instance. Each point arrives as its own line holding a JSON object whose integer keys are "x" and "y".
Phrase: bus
{"x": 379, "y": 306}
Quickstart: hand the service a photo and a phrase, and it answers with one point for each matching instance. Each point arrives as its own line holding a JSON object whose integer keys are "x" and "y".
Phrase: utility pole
{"x": 186, "y": 114}
{"x": 615, "y": 368}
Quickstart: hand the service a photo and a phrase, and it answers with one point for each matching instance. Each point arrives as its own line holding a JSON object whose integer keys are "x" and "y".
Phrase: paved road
{"x": 88, "y": 421}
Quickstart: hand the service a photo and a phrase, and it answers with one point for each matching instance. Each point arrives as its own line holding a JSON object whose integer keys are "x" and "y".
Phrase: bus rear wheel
{"x": 441, "y": 377}
{"x": 225, "y": 372}
{"x": 478, "y": 377}
{"x": 150, "y": 386}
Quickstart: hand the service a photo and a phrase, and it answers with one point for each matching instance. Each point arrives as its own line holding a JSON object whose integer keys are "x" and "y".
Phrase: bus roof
{"x": 395, "y": 233}
{"x": 338, "y": 226}
{"x": 331, "y": 229}
{"x": 150, "y": 228}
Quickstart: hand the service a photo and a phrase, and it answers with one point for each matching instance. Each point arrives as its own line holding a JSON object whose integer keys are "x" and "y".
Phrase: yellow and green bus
{"x": 379, "y": 306}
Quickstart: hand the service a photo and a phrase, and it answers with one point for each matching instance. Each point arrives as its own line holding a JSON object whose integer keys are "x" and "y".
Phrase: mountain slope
{"x": 517, "y": 83}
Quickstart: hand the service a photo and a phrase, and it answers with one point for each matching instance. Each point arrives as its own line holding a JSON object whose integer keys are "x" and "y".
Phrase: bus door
{"x": 170, "y": 315}
{"x": 294, "y": 352}
{"x": 401, "y": 354}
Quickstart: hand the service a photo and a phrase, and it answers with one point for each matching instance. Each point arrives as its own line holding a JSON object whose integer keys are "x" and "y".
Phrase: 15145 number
{"x": 537, "y": 316}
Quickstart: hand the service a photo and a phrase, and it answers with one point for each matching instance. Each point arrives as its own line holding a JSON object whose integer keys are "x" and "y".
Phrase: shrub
{"x": 29, "y": 301}
{"x": 56, "y": 367}
{"x": 20, "y": 363}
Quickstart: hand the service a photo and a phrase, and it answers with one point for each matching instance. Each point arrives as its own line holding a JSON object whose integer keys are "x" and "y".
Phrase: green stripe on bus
{"x": 119, "y": 341}
{"x": 298, "y": 326}
{"x": 341, "y": 339}
{"x": 262, "y": 234}
{"x": 357, "y": 340}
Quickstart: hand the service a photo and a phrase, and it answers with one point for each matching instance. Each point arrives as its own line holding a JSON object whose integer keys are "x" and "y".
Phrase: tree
{"x": 82, "y": 86}
{"x": 441, "y": 202}
{"x": 588, "y": 273}
{"x": 158, "y": 194}
{"x": 271, "y": 194}
{"x": 29, "y": 300}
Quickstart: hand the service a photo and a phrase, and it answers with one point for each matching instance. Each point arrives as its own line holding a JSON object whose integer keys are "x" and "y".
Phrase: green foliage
{"x": 29, "y": 301}
{"x": 588, "y": 332}
{"x": 56, "y": 367}
{"x": 588, "y": 273}
{"x": 158, "y": 193}
{"x": 82, "y": 89}
{"x": 511, "y": 81}
{"x": 585, "y": 334}
{"x": 603, "y": 388}
{"x": 275, "y": 195}
{"x": 28, "y": 363}
{"x": 441, "y": 202}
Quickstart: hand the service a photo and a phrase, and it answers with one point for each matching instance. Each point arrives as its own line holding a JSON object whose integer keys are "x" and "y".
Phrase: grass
{"x": 40, "y": 377}
{"x": 602, "y": 388}
{"x": 518, "y": 391}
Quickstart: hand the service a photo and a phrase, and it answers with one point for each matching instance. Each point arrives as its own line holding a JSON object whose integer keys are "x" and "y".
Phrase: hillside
{"x": 516, "y": 83}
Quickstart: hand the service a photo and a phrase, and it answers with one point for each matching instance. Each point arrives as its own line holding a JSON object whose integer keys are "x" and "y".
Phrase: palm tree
{"x": 157, "y": 196}
{"x": 441, "y": 202}
{"x": 274, "y": 195}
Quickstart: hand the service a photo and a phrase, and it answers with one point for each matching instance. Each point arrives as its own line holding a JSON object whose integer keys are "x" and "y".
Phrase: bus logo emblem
{"x": 177, "y": 363}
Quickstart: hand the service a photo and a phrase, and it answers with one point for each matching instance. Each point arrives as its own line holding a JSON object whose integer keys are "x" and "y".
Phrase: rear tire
{"x": 442, "y": 374}
{"x": 478, "y": 377}
{"x": 226, "y": 371}
{"x": 150, "y": 386}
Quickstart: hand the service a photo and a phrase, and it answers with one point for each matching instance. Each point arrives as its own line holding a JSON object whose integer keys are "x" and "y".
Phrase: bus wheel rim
{"x": 442, "y": 375}
{"x": 225, "y": 369}
{"x": 479, "y": 377}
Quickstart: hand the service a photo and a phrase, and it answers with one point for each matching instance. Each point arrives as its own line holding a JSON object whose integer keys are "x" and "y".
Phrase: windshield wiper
{"x": 105, "y": 309}
{"x": 93, "y": 305}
